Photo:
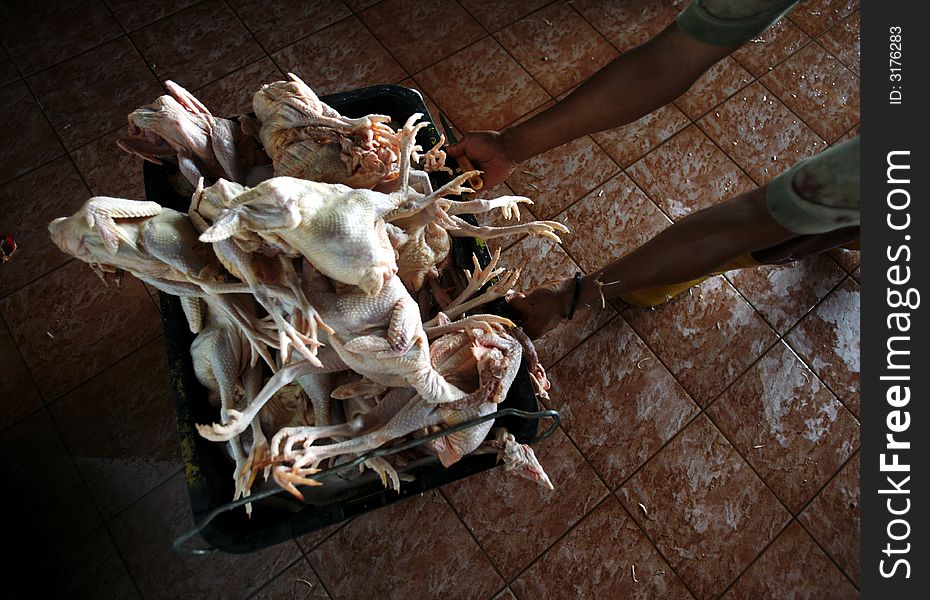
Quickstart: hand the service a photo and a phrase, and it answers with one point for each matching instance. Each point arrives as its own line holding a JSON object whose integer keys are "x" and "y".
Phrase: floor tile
{"x": 28, "y": 204}
{"x": 793, "y": 567}
{"x": 706, "y": 337}
{"x": 37, "y": 144}
{"x": 559, "y": 177}
{"x": 279, "y": 23}
{"x": 197, "y": 45}
{"x": 514, "y": 519}
{"x": 557, "y": 47}
{"x": 828, "y": 340}
{"x": 760, "y": 133}
{"x": 771, "y": 47}
{"x": 8, "y": 71}
{"x": 299, "y": 581}
{"x": 91, "y": 326}
{"x": 784, "y": 293}
{"x": 482, "y": 87}
{"x": 92, "y": 568}
{"x": 16, "y": 386}
{"x": 833, "y": 518}
{"x": 609, "y": 222}
{"x": 688, "y": 173}
{"x": 848, "y": 259}
{"x": 417, "y": 547}
{"x": 506, "y": 594}
{"x": 108, "y": 169}
{"x": 819, "y": 89}
{"x": 705, "y": 509}
{"x": 856, "y": 275}
{"x": 630, "y": 142}
{"x": 144, "y": 534}
{"x": 358, "y": 5}
{"x": 787, "y": 425}
{"x": 133, "y": 15}
{"x": 49, "y": 506}
{"x": 81, "y": 112}
{"x": 561, "y": 340}
{"x": 817, "y": 16}
{"x": 540, "y": 261}
{"x": 495, "y": 14}
{"x": 853, "y": 132}
{"x": 618, "y": 402}
{"x": 311, "y": 540}
{"x": 429, "y": 30}
{"x": 121, "y": 429}
{"x": 40, "y": 34}
{"x": 843, "y": 42}
{"x": 716, "y": 85}
{"x": 232, "y": 95}
{"x": 629, "y": 24}
{"x": 597, "y": 560}
{"x": 431, "y": 106}
{"x": 328, "y": 65}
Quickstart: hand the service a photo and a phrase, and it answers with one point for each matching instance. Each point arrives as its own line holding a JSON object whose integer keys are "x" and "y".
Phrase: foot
{"x": 289, "y": 478}
{"x": 384, "y": 469}
{"x": 222, "y": 432}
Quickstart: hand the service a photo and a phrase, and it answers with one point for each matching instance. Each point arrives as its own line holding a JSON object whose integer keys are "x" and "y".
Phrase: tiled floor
{"x": 708, "y": 447}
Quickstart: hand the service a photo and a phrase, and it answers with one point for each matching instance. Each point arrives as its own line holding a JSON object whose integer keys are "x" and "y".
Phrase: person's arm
{"x": 631, "y": 86}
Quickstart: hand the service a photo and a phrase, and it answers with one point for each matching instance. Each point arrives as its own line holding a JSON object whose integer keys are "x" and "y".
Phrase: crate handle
{"x": 180, "y": 544}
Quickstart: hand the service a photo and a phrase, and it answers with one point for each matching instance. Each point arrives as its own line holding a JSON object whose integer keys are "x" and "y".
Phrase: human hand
{"x": 543, "y": 308}
{"x": 487, "y": 152}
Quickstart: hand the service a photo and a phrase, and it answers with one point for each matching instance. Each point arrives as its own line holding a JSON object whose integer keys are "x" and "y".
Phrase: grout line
{"x": 34, "y": 280}
{"x": 794, "y": 518}
{"x": 144, "y": 344}
{"x": 257, "y": 41}
{"x": 326, "y": 537}
{"x": 43, "y": 404}
{"x": 757, "y": 557}
{"x": 254, "y": 593}
{"x": 609, "y": 493}
{"x": 806, "y": 360}
{"x": 125, "y": 33}
{"x": 855, "y": 455}
{"x": 655, "y": 546}
{"x": 854, "y": 68}
{"x": 584, "y": 340}
{"x": 155, "y": 488}
{"x": 319, "y": 578}
{"x": 559, "y": 538}
{"x": 455, "y": 511}
{"x": 93, "y": 500}
{"x": 58, "y": 137}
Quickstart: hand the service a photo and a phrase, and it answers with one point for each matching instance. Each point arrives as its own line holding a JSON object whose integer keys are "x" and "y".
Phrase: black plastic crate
{"x": 280, "y": 517}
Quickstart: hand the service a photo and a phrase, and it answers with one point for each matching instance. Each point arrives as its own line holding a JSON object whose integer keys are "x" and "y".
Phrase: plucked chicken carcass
{"x": 179, "y": 128}
{"x": 307, "y": 138}
{"x": 267, "y": 276}
{"x": 485, "y": 362}
{"x": 160, "y": 247}
{"x": 332, "y": 268}
{"x": 340, "y": 230}
{"x": 380, "y": 337}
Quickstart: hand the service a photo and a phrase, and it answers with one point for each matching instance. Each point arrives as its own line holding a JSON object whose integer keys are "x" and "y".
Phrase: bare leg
{"x": 691, "y": 248}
